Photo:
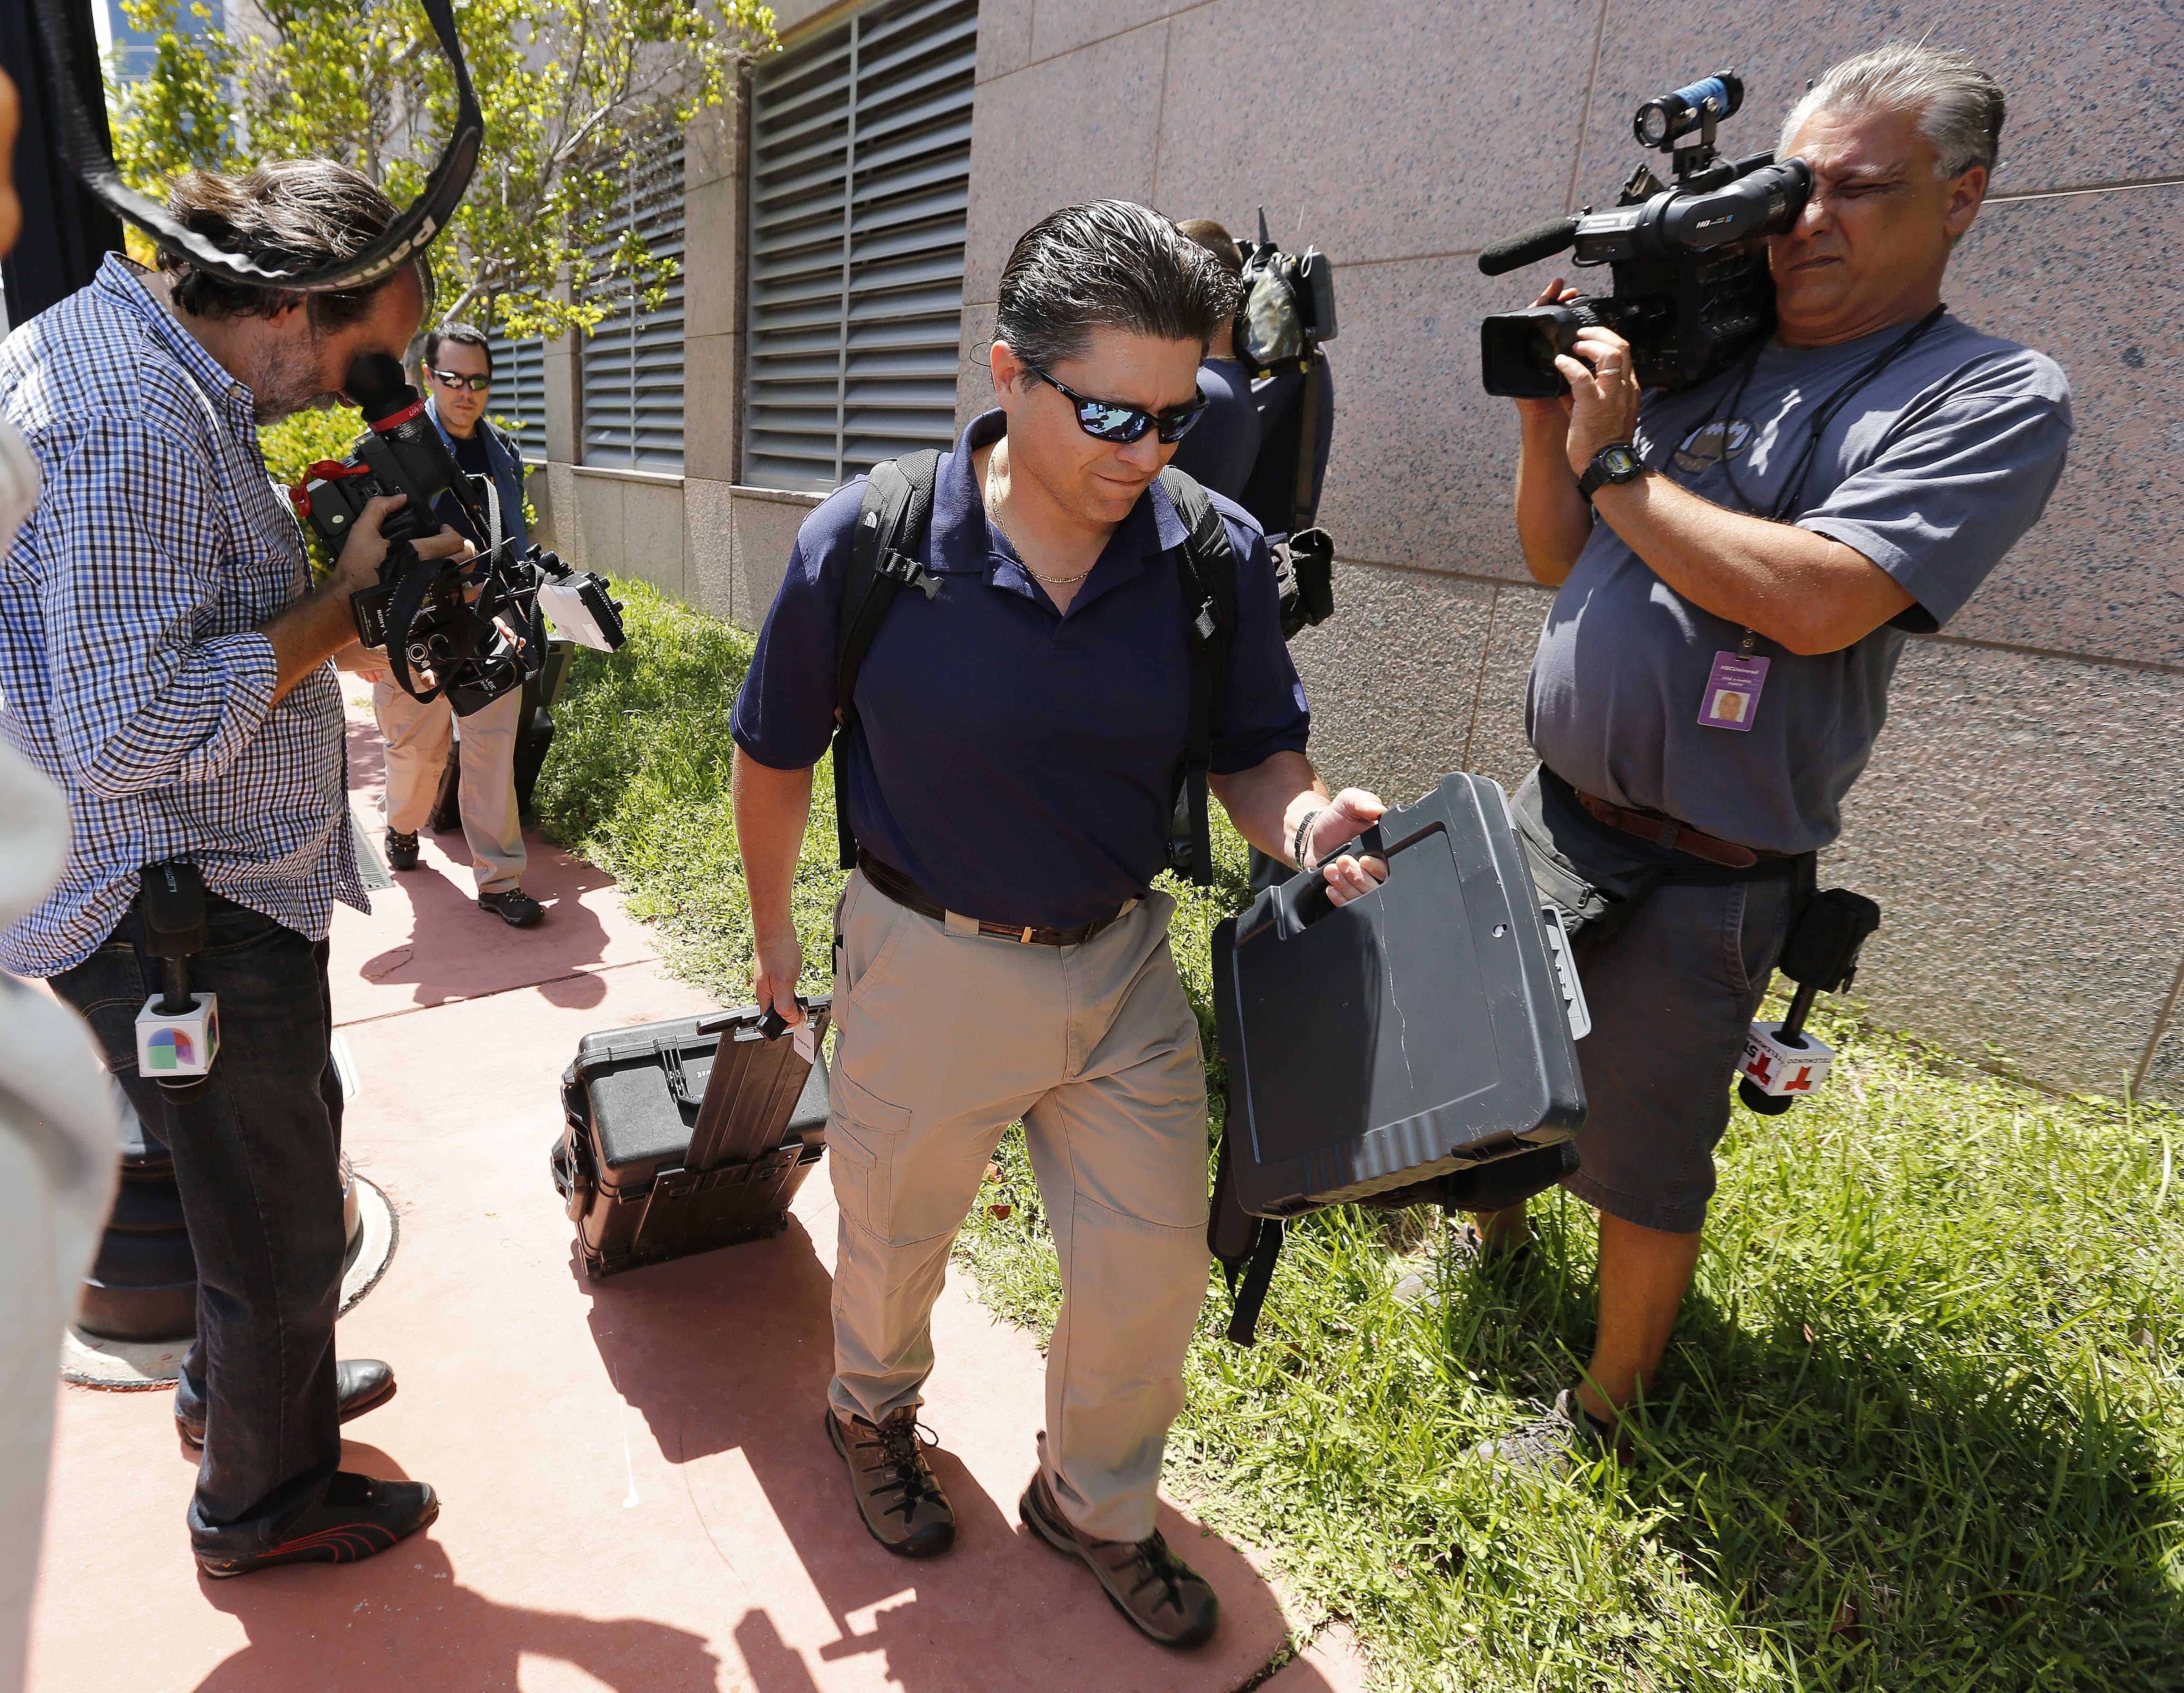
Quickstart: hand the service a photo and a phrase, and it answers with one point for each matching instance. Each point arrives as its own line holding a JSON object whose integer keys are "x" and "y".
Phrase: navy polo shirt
{"x": 1016, "y": 763}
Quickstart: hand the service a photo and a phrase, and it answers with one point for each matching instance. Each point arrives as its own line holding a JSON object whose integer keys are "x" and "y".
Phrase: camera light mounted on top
{"x": 1691, "y": 287}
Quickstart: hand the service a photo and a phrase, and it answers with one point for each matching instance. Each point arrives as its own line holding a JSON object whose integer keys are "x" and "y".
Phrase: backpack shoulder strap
{"x": 883, "y": 560}
{"x": 1209, "y": 596}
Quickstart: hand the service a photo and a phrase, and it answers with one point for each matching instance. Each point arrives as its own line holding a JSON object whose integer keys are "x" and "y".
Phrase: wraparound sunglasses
{"x": 1112, "y": 421}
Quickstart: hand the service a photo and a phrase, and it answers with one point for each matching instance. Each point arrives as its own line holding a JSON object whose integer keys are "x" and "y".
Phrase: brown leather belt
{"x": 1669, "y": 832}
{"x": 898, "y": 888}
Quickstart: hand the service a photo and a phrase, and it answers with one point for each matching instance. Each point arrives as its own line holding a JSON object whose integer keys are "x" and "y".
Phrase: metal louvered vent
{"x": 861, "y": 162}
{"x": 633, "y": 362}
{"x": 518, "y": 403}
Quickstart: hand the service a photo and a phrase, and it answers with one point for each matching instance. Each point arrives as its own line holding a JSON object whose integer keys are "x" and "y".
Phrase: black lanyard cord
{"x": 1826, "y": 414}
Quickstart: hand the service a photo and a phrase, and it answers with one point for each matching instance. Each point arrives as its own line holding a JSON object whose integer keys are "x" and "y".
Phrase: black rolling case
{"x": 1414, "y": 1046}
{"x": 687, "y": 1135}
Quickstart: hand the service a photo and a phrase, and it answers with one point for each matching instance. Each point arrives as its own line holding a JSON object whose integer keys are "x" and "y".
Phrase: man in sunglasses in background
{"x": 1000, "y": 953}
{"x": 458, "y": 377}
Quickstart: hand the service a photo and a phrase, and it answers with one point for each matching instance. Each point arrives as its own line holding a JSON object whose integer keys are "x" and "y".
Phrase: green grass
{"x": 1921, "y": 1427}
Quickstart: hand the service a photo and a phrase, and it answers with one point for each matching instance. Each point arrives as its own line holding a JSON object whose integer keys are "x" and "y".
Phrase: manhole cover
{"x": 127, "y": 1366}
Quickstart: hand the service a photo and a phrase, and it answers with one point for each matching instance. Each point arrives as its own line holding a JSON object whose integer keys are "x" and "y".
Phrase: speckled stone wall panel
{"x": 596, "y": 504}
{"x": 550, "y": 494}
{"x": 709, "y": 547}
{"x": 763, "y": 533}
{"x": 652, "y": 534}
{"x": 1391, "y": 676}
{"x": 1004, "y": 37}
{"x": 1499, "y": 746}
{"x": 1411, "y": 128}
{"x": 2081, "y": 277}
{"x": 1420, "y": 473}
{"x": 2049, "y": 59}
{"x": 711, "y": 145}
{"x": 712, "y": 373}
{"x": 1078, "y": 127}
{"x": 558, "y": 384}
{"x": 974, "y": 376}
{"x": 1059, "y": 26}
{"x": 2163, "y": 1077}
{"x": 2022, "y": 825}
{"x": 712, "y": 247}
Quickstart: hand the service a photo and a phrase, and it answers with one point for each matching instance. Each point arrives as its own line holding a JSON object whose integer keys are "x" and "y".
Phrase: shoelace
{"x": 1158, "y": 1565}
{"x": 899, "y": 1444}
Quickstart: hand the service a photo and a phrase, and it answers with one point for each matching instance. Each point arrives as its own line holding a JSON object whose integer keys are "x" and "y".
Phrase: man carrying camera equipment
{"x": 1086, "y": 631}
{"x": 164, "y": 658}
{"x": 1739, "y": 550}
{"x": 1223, "y": 444}
{"x": 459, "y": 376}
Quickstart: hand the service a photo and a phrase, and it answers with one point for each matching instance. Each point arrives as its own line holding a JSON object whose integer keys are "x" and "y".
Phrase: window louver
{"x": 859, "y": 174}
{"x": 632, "y": 363}
{"x": 518, "y": 404}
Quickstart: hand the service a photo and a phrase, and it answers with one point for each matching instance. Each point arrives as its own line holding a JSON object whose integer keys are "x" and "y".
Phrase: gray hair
{"x": 1110, "y": 265}
{"x": 1959, "y": 107}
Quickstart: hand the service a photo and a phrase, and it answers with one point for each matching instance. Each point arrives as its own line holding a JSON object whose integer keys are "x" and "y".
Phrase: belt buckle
{"x": 1024, "y": 939}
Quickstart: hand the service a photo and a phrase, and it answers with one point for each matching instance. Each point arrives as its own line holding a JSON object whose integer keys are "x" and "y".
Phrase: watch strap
{"x": 1599, "y": 472}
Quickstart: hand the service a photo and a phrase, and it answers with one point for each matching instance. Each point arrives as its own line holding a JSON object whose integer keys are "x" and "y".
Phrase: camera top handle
{"x": 410, "y": 234}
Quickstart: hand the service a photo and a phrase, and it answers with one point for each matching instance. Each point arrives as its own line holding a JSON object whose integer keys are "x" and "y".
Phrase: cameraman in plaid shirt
{"x": 164, "y": 660}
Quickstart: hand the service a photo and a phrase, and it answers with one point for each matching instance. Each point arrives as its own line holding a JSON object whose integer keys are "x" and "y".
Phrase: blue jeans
{"x": 256, "y": 1149}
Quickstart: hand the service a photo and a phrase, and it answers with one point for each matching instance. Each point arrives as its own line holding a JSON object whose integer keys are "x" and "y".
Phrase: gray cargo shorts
{"x": 1672, "y": 977}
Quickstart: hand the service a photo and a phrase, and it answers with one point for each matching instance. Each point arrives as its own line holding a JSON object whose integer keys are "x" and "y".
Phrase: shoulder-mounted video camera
{"x": 469, "y": 630}
{"x": 1288, "y": 308}
{"x": 1692, "y": 290}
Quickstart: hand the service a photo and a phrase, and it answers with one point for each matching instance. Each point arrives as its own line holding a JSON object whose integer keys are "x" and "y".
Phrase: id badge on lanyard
{"x": 1733, "y": 688}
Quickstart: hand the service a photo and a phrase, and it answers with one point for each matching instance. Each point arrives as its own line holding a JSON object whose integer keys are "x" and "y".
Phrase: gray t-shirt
{"x": 1932, "y": 470}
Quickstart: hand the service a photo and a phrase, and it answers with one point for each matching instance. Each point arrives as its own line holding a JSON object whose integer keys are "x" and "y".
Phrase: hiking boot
{"x": 1568, "y": 1437}
{"x": 1467, "y": 1252}
{"x": 360, "y": 1384}
{"x": 1165, "y": 1598}
{"x": 513, "y": 906}
{"x": 898, "y": 1495}
{"x": 401, "y": 850}
{"x": 359, "y": 1517}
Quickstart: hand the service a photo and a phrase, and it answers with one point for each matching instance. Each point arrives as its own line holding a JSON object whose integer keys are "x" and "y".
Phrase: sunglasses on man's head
{"x": 449, "y": 379}
{"x": 1112, "y": 421}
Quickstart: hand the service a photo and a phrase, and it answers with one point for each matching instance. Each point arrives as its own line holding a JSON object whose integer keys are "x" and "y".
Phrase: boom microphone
{"x": 1516, "y": 251}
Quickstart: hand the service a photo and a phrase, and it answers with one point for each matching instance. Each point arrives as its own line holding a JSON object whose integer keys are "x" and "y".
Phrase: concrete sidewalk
{"x": 638, "y": 1493}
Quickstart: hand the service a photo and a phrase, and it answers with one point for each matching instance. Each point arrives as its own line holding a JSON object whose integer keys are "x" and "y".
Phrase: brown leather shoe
{"x": 898, "y": 1495}
{"x": 1167, "y": 1600}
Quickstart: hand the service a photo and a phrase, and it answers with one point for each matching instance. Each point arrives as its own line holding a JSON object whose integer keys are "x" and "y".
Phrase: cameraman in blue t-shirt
{"x": 1738, "y": 564}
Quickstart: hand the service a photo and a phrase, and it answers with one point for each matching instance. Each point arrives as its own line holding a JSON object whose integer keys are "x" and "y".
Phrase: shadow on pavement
{"x": 402, "y": 1620}
{"x": 731, "y": 1350}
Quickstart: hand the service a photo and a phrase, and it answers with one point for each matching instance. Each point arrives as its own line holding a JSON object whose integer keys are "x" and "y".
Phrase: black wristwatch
{"x": 1617, "y": 462}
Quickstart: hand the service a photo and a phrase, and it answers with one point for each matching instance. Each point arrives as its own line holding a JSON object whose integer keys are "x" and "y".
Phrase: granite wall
{"x": 2020, "y": 822}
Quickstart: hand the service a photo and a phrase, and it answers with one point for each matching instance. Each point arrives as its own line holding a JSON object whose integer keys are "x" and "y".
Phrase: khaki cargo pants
{"x": 417, "y": 736}
{"x": 947, "y": 1037}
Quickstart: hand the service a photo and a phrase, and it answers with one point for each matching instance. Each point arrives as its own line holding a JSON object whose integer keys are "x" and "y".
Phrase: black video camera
{"x": 471, "y": 628}
{"x": 1692, "y": 290}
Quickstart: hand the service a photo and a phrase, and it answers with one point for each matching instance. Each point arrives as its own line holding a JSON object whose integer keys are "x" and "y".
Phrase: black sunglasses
{"x": 450, "y": 379}
{"x": 1112, "y": 421}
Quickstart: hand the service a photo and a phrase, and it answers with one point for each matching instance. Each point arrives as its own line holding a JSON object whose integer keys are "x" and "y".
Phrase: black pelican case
{"x": 1421, "y": 1032}
{"x": 688, "y": 1134}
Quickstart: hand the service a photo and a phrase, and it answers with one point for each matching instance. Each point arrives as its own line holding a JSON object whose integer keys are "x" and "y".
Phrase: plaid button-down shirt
{"x": 130, "y": 669}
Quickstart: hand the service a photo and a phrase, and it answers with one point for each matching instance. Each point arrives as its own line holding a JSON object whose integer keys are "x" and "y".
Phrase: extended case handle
{"x": 1302, "y": 900}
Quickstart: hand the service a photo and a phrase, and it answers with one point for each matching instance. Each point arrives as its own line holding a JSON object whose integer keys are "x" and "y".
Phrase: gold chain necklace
{"x": 994, "y": 516}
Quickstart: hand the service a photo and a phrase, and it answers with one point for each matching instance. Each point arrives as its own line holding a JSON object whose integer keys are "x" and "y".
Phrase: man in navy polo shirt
{"x": 1001, "y": 954}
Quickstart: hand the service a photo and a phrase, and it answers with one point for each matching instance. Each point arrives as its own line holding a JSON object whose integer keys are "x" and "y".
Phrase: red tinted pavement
{"x": 638, "y": 1495}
